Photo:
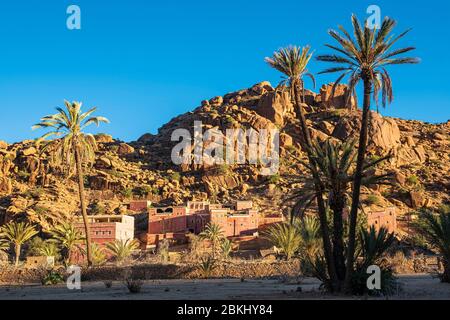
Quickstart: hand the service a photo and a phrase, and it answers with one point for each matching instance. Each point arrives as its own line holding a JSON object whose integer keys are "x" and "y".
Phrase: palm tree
{"x": 226, "y": 248}
{"x": 4, "y": 245}
{"x": 17, "y": 233}
{"x": 67, "y": 237}
{"x": 285, "y": 236}
{"x": 73, "y": 148}
{"x": 309, "y": 228}
{"x": 213, "y": 232}
{"x": 335, "y": 163}
{"x": 122, "y": 249}
{"x": 365, "y": 58}
{"x": 48, "y": 249}
{"x": 436, "y": 230}
{"x": 373, "y": 247}
{"x": 292, "y": 62}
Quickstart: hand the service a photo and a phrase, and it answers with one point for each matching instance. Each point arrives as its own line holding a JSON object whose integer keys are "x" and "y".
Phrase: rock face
{"x": 383, "y": 132}
{"x": 339, "y": 99}
{"x": 275, "y": 106}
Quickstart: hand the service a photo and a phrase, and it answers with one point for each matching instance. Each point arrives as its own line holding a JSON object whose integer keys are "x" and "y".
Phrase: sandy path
{"x": 414, "y": 287}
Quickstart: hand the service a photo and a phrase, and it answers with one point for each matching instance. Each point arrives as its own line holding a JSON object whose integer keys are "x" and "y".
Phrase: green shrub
{"x": 142, "y": 191}
{"x": 444, "y": 208}
{"x": 274, "y": 179}
{"x": 97, "y": 209}
{"x": 207, "y": 266}
{"x": 52, "y": 278}
{"x": 127, "y": 193}
{"x": 413, "y": 180}
{"x": 175, "y": 176}
{"x": 372, "y": 199}
{"x": 222, "y": 169}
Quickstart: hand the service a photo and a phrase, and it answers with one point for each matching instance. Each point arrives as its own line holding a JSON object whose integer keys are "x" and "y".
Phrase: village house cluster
{"x": 237, "y": 219}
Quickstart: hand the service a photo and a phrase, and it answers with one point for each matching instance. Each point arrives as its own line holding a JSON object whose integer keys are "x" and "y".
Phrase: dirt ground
{"x": 413, "y": 287}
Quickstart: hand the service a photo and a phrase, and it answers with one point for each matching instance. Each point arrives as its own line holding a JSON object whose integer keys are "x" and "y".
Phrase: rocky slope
{"x": 31, "y": 188}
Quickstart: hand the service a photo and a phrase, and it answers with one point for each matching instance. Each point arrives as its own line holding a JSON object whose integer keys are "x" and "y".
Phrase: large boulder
{"x": 125, "y": 149}
{"x": 384, "y": 133}
{"x": 103, "y": 138}
{"x": 3, "y": 145}
{"x": 275, "y": 106}
{"x": 337, "y": 101}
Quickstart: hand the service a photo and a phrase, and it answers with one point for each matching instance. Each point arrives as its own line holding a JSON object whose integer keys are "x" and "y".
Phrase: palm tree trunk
{"x": 83, "y": 205}
{"x": 318, "y": 188}
{"x": 446, "y": 275}
{"x": 357, "y": 182}
{"x": 337, "y": 203}
{"x": 17, "y": 252}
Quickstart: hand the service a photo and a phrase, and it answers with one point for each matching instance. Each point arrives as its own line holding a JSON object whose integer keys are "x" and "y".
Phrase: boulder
{"x": 146, "y": 138}
{"x": 3, "y": 145}
{"x": 416, "y": 199}
{"x": 125, "y": 149}
{"x": 384, "y": 133}
{"x": 216, "y": 101}
{"x": 103, "y": 138}
{"x": 337, "y": 101}
{"x": 275, "y": 106}
{"x": 326, "y": 127}
{"x": 29, "y": 151}
{"x": 285, "y": 140}
{"x": 262, "y": 88}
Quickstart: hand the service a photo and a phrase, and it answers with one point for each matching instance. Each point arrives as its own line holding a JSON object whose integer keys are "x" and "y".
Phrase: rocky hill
{"x": 30, "y": 188}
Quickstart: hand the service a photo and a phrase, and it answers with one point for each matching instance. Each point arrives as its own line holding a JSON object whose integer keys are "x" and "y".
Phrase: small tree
{"x": 17, "y": 233}
{"x": 226, "y": 248}
{"x": 67, "y": 237}
{"x": 213, "y": 233}
{"x": 121, "y": 249}
{"x": 436, "y": 229}
{"x": 285, "y": 236}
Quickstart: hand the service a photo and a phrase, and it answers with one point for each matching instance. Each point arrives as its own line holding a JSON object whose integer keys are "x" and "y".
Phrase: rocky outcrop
{"x": 338, "y": 100}
{"x": 383, "y": 132}
{"x": 275, "y": 106}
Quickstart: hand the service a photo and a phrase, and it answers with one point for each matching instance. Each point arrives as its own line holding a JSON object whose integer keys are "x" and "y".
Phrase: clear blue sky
{"x": 143, "y": 62}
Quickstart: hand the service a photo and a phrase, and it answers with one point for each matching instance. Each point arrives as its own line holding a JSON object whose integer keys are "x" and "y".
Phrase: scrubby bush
{"x": 372, "y": 200}
{"x": 207, "y": 266}
{"x": 121, "y": 250}
{"x": 52, "y": 278}
{"x": 286, "y": 237}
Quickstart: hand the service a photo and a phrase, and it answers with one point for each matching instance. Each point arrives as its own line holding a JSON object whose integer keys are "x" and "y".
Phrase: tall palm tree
{"x": 17, "y": 233}
{"x": 436, "y": 230}
{"x": 292, "y": 62}
{"x": 365, "y": 57}
{"x": 72, "y": 147}
{"x": 335, "y": 163}
{"x": 67, "y": 237}
{"x": 213, "y": 233}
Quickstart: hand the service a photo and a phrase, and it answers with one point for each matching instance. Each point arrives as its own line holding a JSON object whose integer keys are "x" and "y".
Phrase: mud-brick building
{"x": 139, "y": 205}
{"x": 235, "y": 220}
{"x": 383, "y": 218}
{"x": 108, "y": 228}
